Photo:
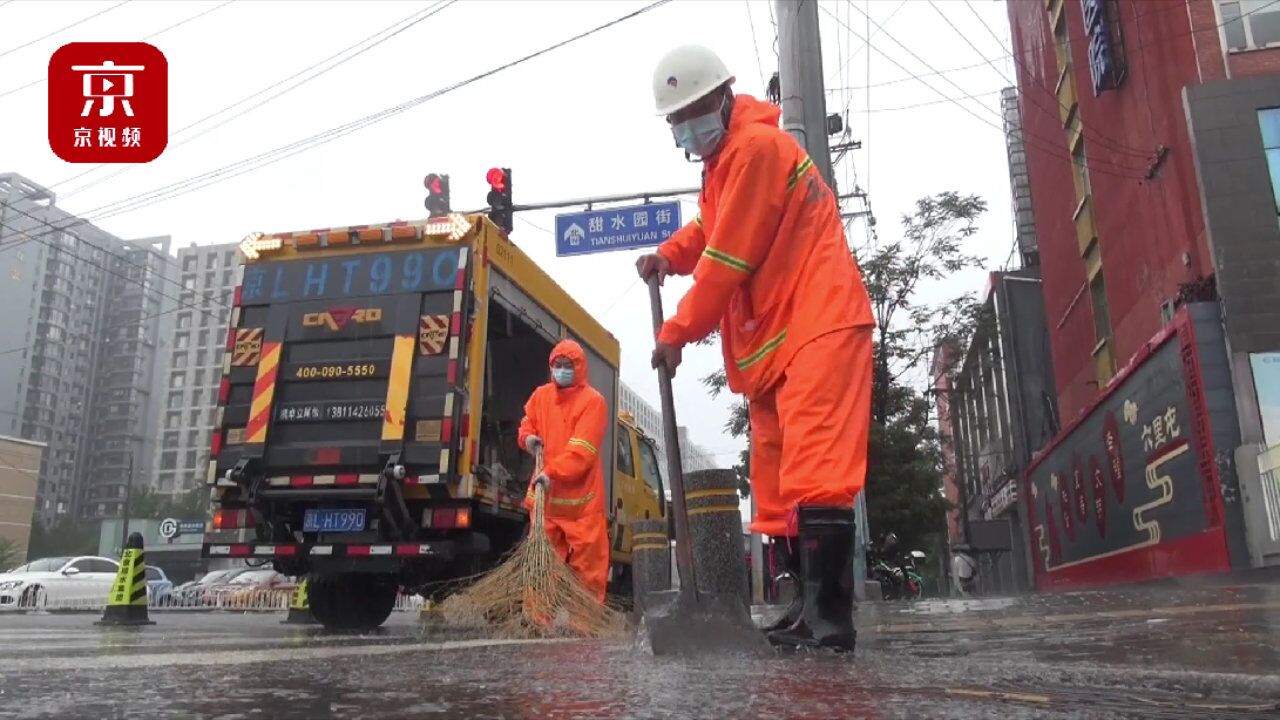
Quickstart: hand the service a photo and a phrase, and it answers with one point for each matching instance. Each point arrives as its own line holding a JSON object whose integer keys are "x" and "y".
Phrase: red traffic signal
{"x": 437, "y": 201}
{"x": 497, "y": 178}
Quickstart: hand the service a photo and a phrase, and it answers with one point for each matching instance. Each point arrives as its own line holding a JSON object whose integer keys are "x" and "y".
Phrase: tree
{"x": 904, "y": 476}
{"x": 10, "y": 557}
{"x": 64, "y": 536}
{"x": 145, "y": 503}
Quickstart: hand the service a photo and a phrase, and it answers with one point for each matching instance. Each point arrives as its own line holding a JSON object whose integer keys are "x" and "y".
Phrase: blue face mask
{"x": 700, "y": 135}
{"x": 562, "y": 376}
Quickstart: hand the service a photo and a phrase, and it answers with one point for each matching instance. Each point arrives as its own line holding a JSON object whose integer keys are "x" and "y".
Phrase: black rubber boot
{"x": 787, "y": 552}
{"x": 826, "y": 581}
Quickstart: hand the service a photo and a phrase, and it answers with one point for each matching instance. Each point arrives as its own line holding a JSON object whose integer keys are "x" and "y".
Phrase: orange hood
{"x": 572, "y": 350}
{"x": 750, "y": 111}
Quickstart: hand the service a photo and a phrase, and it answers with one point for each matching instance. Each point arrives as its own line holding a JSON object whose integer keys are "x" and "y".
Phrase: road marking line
{"x": 229, "y": 658}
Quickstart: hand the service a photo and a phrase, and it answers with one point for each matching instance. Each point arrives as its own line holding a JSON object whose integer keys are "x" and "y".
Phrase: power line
{"x": 408, "y": 21}
{"x": 92, "y": 263}
{"x": 212, "y": 177}
{"x": 1050, "y": 149}
{"x": 910, "y": 78}
{"x": 272, "y": 156}
{"x": 157, "y": 33}
{"x": 46, "y": 36}
{"x": 139, "y": 321}
{"x": 764, "y": 81}
{"x": 1112, "y": 144}
{"x": 973, "y": 96}
{"x": 104, "y": 250}
{"x": 1052, "y": 142}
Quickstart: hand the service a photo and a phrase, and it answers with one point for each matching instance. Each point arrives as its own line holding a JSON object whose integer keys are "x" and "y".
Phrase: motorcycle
{"x": 898, "y": 575}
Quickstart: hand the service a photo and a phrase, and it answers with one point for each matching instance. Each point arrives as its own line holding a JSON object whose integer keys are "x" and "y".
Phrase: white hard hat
{"x": 686, "y": 75}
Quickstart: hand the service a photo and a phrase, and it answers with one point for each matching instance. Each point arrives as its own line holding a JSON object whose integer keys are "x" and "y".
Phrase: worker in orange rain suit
{"x": 771, "y": 267}
{"x": 567, "y": 419}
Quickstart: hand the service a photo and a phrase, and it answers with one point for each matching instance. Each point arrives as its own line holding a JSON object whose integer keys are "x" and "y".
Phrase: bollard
{"x": 650, "y": 560}
{"x": 127, "y": 603}
{"x": 300, "y": 606}
{"x": 711, "y": 497}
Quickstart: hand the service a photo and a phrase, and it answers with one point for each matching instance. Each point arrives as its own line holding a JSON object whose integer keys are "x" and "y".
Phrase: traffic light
{"x": 500, "y": 205}
{"x": 437, "y": 195}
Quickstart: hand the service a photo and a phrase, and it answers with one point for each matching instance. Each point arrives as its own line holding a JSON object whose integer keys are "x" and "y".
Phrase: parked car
{"x": 57, "y": 580}
{"x": 191, "y": 593}
{"x": 159, "y": 587}
{"x": 249, "y": 589}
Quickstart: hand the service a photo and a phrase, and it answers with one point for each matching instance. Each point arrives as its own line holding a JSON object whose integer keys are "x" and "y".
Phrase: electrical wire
{"x": 46, "y": 36}
{"x": 1052, "y": 143}
{"x": 373, "y": 41}
{"x": 1050, "y": 149}
{"x": 157, "y": 33}
{"x": 285, "y": 151}
{"x": 927, "y": 103}
{"x": 1097, "y": 136}
{"x": 99, "y": 248}
{"x": 764, "y": 81}
{"x": 110, "y": 271}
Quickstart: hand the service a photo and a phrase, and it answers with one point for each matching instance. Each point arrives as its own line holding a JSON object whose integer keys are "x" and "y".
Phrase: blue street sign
{"x": 622, "y": 228}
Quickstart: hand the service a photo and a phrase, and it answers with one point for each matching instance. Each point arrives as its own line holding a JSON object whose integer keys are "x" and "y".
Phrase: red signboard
{"x": 1129, "y": 491}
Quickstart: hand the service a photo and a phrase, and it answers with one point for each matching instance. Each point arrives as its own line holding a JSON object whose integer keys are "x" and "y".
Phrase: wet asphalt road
{"x": 1151, "y": 653}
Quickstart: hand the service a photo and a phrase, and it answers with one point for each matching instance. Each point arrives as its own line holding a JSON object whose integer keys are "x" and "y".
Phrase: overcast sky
{"x": 575, "y": 122}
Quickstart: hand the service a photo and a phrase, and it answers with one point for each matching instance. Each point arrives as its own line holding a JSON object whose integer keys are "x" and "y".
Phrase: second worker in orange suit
{"x": 772, "y": 269}
{"x": 568, "y": 419}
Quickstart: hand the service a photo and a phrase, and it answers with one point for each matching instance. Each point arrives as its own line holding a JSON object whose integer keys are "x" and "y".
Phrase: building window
{"x": 230, "y": 257}
{"x": 189, "y": 263}
{"x": 184, "y": 321}
{"x": 177, "y": 380}
{"x": 1250, "y": 24}
{"x": 181, "y": 340}
{"x": 1269, "y": 120}
{"x": 210, "y": 261}
{"x": 1101, "y": 311}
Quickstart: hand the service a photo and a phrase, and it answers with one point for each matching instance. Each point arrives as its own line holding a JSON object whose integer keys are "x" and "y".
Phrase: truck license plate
{"x": 333, "y": 521}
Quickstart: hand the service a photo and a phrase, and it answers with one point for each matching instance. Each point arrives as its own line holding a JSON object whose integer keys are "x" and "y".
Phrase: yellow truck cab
{"x": 373, "y": 383}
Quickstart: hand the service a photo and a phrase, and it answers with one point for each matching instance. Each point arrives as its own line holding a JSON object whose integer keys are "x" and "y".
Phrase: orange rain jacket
{"x": 767, "y": 252}
{"x": 572, "y": 422}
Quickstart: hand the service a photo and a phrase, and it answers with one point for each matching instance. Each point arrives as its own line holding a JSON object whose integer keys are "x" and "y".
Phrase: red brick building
{"x": 1141, "y": 184}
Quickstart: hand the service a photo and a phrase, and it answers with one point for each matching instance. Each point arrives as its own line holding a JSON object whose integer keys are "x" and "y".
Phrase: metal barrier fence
{"x": 247, "y": 600}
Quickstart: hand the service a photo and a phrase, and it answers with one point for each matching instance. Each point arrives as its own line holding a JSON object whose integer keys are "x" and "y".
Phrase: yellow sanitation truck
{"x": 373, "y": 382}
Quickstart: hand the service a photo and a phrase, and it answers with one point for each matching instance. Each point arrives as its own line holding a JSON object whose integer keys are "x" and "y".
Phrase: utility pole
{"x": 124, "y": 513}
{"x": 804, "y": 115}
{"x": 804, "y": 99}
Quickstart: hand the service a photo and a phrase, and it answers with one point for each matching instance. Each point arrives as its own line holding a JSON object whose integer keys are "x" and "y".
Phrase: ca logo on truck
{"x": 337, "y": 318}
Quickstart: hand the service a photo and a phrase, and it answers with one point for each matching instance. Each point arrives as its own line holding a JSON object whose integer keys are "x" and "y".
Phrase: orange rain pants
{"x": 811, "y": 431}
{"x": 771, "y": 267}
{"x": 571, "y": 422}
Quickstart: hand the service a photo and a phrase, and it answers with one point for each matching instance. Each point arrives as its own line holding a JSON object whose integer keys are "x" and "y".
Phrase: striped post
{"x": 711, "y": 498}
{"x": 300, "y": 606}
{"x": 650, "y": 560}
{"x": 127, "y": 603}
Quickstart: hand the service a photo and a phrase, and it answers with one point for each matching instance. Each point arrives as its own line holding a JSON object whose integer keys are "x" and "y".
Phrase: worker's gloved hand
{"x": 668, "y": 355}
{"x": 533, "y": 443}
{"x": 544, "y": 481}
{"x": 647, "y": 265}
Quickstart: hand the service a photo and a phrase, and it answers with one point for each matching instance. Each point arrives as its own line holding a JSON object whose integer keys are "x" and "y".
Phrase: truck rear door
{"x": 341, "y": 378}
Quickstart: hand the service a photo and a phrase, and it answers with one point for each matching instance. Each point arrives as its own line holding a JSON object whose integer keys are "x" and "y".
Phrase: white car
{"x": 55, "y": 581}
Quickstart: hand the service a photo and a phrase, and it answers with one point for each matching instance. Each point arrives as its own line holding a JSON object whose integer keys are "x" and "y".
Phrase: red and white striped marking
{"x": 293, "y": 550}
{"x": 323, "y": 480}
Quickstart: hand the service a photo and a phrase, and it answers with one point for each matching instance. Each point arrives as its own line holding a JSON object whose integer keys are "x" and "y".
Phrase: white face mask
{"x": 562, "y": 376}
